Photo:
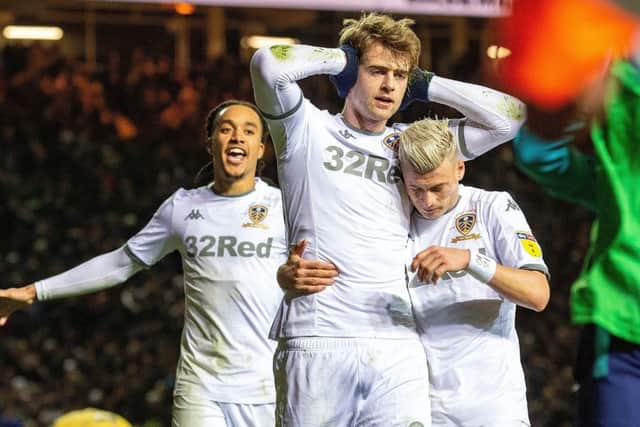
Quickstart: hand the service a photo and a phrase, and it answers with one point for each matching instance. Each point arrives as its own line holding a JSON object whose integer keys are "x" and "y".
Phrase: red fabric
{"x": 559, "y": 46}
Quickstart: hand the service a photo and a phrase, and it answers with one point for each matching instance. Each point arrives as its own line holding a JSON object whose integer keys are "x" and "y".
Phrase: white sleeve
{"x": 491, "y": 117}
{"x": 276, "y": 69}
{"x": 101, "y": 272}
{"x": 514, "y": 244}
{"x": 156, "y": 239}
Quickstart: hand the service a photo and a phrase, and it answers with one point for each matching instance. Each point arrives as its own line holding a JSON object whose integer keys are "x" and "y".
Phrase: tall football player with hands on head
{"x": 351, "y": 355}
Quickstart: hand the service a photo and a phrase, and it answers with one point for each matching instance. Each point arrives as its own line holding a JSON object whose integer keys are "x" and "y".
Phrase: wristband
{"x": 481, "y": 266}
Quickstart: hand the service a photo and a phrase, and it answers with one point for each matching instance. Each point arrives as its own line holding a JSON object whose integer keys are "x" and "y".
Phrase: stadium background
{"x": 97, "y": 129}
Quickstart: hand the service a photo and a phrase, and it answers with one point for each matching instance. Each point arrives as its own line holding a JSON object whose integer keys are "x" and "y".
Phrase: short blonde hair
{"x": 427, "y": 143}
{"x": 395, "y": 35}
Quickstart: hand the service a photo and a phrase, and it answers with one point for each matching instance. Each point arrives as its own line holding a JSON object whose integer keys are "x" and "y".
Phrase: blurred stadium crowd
{"x": 86, "y": 156}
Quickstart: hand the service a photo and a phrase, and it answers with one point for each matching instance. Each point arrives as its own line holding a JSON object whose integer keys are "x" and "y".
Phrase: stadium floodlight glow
{"x": 26, "y": 32}
{"x": 256, "y": 42}
{"x": 183, "y": 8}
{"x": 497, "y": 52}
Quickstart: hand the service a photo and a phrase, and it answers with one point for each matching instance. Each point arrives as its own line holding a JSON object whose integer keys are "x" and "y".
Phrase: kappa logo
{"x": 512, "y": 205}
{"x": 257, "y": 214}
{"x": 194, "y": 214}
{"x": 464, "y": 224}
{"x": 392, "y": 141}
{"x": 346, "y": 134}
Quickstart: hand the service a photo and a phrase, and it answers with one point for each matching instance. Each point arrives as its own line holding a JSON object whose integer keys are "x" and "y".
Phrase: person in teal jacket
{"x": 606, "y": 296}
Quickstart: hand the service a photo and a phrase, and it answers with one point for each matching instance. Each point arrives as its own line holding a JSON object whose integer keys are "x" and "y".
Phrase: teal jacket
{"x": 607, "y": 292}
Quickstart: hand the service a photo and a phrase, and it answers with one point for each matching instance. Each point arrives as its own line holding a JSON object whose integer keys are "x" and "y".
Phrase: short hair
{"x": 395, "y": 35}
{"x": 427, "y": 143}
{"x": 216, "y": 112}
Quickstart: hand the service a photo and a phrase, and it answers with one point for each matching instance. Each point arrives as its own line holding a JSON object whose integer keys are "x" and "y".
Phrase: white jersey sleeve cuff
{"x": 491, "y": 117}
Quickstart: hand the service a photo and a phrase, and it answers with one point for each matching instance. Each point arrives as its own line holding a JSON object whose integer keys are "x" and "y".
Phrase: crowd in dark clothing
{"x": 87, "y": 155}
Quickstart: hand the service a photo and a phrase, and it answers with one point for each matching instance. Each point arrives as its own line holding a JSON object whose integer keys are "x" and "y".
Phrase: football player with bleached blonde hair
{"x": 475, "y": 260}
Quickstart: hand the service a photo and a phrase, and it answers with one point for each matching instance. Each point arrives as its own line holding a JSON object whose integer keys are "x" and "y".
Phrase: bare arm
{"x": 527, "y": 288}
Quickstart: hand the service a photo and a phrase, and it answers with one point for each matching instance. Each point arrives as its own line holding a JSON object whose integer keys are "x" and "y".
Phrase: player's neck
{"x": 238, "y": 187}
{"x": 358, "y": 121}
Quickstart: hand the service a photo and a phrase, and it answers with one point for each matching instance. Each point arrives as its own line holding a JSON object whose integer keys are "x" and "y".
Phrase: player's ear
{"x": 261, "y": 150}
{"x": 209, "y": 145}
{"x": 460, "y": 169}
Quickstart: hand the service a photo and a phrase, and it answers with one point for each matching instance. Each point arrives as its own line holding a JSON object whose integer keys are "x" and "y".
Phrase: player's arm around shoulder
{"x": 299, "y": 276}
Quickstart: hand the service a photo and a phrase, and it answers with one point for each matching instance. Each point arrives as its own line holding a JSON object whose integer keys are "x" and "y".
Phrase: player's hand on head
{"x": 303, "y": 277}
{"x": 417, "y": 87}
{"x": 431, "y": 263}
{"x": 13, "y": 299}
{"x": 344, "y": 81}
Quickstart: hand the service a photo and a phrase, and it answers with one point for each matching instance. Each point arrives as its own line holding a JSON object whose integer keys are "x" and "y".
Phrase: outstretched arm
{"x": 104, "y": 271}
{"x": 101, "y": 272}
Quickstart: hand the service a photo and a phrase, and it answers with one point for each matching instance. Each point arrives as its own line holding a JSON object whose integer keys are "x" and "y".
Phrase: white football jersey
{"x": 343, "y": 193}
{"x": 231, "y": 248}
{"x": 467, "y": 328}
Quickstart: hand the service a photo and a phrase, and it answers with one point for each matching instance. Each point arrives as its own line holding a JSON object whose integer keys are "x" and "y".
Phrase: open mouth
{"x": 235, "y": 155}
